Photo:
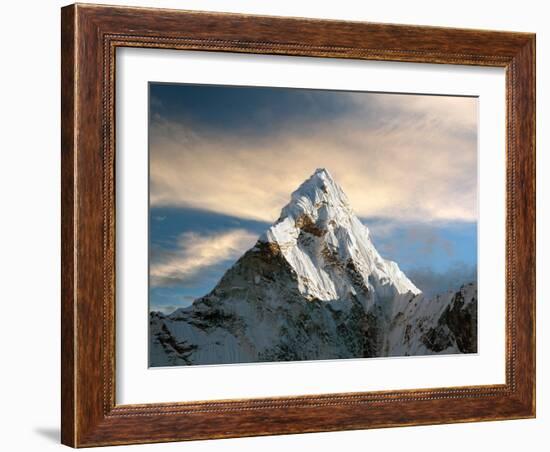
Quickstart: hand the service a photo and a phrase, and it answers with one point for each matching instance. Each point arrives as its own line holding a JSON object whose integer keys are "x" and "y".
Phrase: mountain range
{"x": 314, "y": 287}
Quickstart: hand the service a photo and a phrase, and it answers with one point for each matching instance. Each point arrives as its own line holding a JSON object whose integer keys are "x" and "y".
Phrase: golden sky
{"x": 396, "y": 156}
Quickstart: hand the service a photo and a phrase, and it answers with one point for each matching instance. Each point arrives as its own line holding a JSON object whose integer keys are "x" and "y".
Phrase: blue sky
{"x": 224, "y": 160}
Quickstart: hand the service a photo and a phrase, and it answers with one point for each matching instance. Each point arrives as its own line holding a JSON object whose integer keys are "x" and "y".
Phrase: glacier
{"x": 314, "y": 287}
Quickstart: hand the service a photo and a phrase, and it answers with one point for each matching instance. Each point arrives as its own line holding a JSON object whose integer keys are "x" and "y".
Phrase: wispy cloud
{"x": 165, "y": 309}
{"x": 402, "y": 157}
{"x": 195, "y": 252}
{"x": 433, "y": 282}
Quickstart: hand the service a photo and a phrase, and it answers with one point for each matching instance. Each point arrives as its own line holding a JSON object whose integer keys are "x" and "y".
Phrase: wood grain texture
{"x": 90, "y": 36}
{"x": 67, "y": 226}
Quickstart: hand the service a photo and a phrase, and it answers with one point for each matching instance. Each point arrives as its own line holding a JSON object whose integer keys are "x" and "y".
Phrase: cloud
{"x": 195, "y": 253}
{"x": 433, "y": 283}
{"x": 412, "y": 243}
{"x": 428, "y": 241}
{"x": 402, "y": 157}
{"x": 165, "y": 309}
{"x": 155, "y": 102}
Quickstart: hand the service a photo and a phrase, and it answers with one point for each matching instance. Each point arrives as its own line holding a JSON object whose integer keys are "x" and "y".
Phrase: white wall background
{"x": 29, "y": 224}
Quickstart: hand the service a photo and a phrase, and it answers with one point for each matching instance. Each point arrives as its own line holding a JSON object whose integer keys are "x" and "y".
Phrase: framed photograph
{"x": 282, "y": 225}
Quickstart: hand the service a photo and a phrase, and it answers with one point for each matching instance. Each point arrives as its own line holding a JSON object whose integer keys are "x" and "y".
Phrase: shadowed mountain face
{"x": 314, "y": 287}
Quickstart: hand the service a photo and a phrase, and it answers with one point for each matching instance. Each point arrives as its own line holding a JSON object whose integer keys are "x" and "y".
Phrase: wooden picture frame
{"x": 90, "y": 36}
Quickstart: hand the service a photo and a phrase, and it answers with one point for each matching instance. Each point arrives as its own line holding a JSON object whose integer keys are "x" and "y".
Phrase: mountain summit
{"x": 314, "y": 287}
{"x": 329, "y": 248}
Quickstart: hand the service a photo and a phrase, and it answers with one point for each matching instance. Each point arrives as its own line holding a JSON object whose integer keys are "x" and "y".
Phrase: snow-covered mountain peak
{"x": 314, "y": 287}
{"x": 328, "y": 247}
{"x": 318, "y": 196}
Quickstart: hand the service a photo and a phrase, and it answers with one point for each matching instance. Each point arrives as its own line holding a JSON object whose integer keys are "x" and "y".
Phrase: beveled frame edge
{"x": 90, "y": 35}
